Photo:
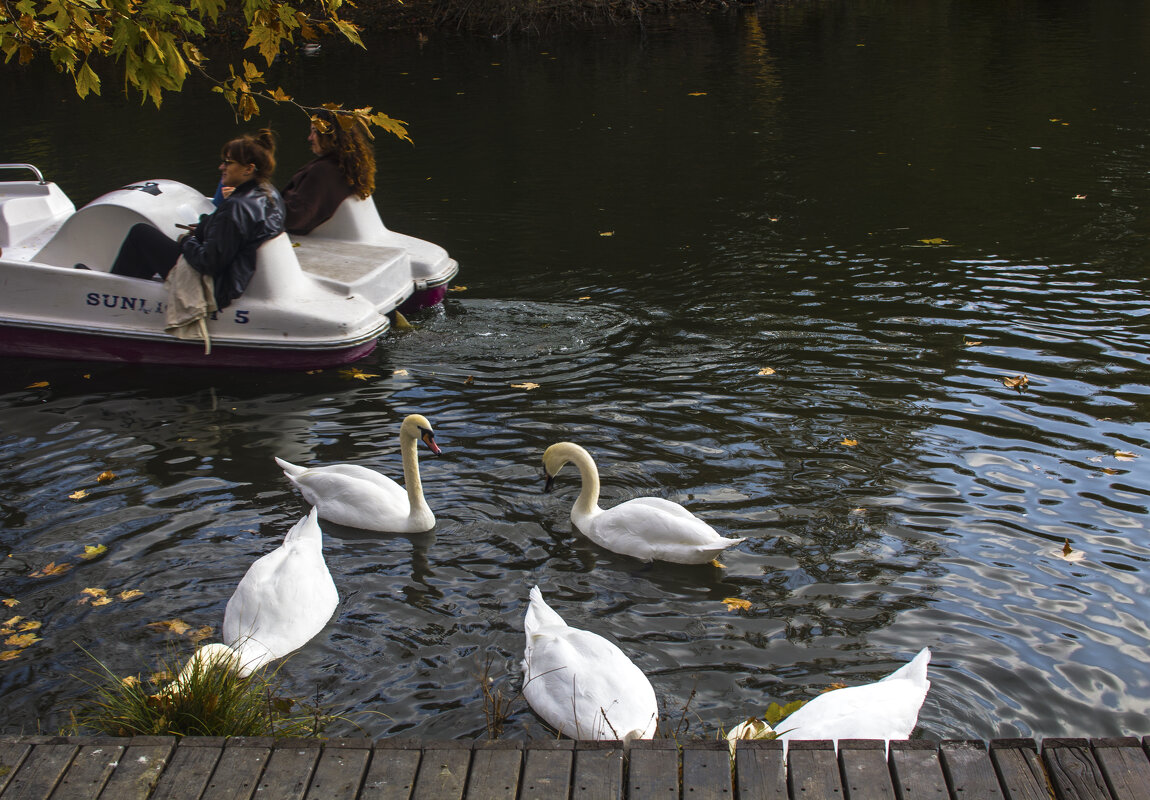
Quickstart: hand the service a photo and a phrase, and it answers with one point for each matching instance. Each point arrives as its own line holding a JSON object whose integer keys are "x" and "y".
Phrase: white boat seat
{"x": 356, "y": 220}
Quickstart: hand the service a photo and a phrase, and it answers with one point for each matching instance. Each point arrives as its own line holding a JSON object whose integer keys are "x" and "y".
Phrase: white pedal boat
{"x": 315, "y": 301}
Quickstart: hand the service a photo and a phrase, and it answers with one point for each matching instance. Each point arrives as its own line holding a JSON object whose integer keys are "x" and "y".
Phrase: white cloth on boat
{"x": 191, "y": 299}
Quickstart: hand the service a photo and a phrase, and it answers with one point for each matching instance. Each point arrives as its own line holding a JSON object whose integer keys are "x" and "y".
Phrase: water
{"x": 893, "y": 209}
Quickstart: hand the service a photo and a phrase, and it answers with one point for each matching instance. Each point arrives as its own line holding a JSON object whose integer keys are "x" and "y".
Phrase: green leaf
{"x": 87, "y": 81}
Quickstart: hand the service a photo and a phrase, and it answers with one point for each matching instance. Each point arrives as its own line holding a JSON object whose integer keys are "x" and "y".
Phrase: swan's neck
{"x": 587, "y": 503}
{"x": 410, "y": 449}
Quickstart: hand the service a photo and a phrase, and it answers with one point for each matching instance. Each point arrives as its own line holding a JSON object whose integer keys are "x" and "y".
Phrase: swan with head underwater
{"x": 885, "y": 709}
{"x": 283, "y": 600}
{"x": 581, "y": 684}
{"x": 648, "y": 528}
{"x": 359, "y": 497}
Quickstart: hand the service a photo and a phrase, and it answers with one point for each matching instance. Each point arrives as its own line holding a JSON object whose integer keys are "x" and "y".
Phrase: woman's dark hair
{"x": 257, "y": 149}
{"x": 344, "y": 136}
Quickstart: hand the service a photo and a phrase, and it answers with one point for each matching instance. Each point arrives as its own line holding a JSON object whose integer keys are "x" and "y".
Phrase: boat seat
{"x": 355, "y": 220}
{"x": 27, "y": 207}
{"x": 278, "y": 275}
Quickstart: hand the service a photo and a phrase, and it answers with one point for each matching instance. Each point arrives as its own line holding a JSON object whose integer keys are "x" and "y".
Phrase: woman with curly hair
{"x": 344, "y": 165}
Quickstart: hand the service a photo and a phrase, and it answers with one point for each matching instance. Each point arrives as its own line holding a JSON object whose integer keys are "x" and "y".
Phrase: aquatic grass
{"x": 212, "y": 699}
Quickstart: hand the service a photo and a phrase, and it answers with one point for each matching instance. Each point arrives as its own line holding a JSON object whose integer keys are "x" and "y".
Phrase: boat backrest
{"x": 27, "y": 207}
{"x": 356, "y": 220}
{"x": 278, "y": 274}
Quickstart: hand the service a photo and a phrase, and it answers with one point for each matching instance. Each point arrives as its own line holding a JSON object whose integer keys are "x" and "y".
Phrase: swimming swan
{"x": 649, "y": 528}
{"x": 886, "y": 709}
{"x": 581, "y": 684}
{"x": 362, "y": 498}
{"x": 284, "y": 599}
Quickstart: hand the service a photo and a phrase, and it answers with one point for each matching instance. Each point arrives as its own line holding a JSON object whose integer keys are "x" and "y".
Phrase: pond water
{"x": 895, "y": 210}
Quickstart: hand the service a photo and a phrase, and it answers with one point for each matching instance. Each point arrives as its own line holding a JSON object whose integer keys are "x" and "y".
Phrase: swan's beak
{"x": 429, "y": 439}
{"x": 550, "y": 480}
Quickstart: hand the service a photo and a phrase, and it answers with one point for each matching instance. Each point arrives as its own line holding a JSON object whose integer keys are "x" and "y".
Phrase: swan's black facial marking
{"x": 428, "y": 438}
{"x": 550, "y": 481}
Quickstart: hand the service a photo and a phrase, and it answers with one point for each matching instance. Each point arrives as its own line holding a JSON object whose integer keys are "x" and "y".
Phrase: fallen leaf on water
{"x": 8, "y": 655}
{"x": 29, "y": 625}
{"x": 94, "y": 550}
{"x": 130, "y": 680}
{"x": 313, "y": 372}
{"x": 696, "y": 94}
{"x": 11, "y": 602}
{"x": 37, "y": 385}
{"x": 1110, "y": 471}
{"x": 103, "y": 601}
{"x": 1069, "y": 554}
{"x": 736, "y": 604}
{"x": 79, "y": 494}
{"x": 356, "y": 374}
{"x": 1079, "y": 197}
{"x": 585, "y": 297}
{"x": 527, "y": 385}
{"x": 105, "y": 477}
{"x": 468, "y": 380}
{"x": 12, "y": 622}
{"x": 849, "y": 442}
{"x": 1122, "y": 455}
{"x": 766, "y": 371}
{"x": 399, "y": 372}
{"x": 176, "y": 626}
{"x": 201, "y": 633}
{"x": 935, "y": 240}
{"x": 130, "y": 594}
{"x": 22, "y": 640}
{"x": 606, "y": 233}
{"x": 50, "y": 569}
{"x": 457, "y": 288}
{"x": 969, "y": 342}
{"x": 834, "y": 686}
{"x": 1018, "y": 382}
{"x": 94, "y": 593}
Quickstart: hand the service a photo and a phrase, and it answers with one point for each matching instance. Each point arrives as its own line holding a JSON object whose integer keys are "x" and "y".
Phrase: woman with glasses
{"x": 223, "y": 245}
{"x": 344, "y": 165}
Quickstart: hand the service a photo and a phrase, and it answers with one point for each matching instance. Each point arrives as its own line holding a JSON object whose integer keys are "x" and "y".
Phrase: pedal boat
{"x": 316, "y": 301}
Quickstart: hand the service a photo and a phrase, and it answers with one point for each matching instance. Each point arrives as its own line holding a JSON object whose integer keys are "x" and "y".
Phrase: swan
{"x": 283, "y": 600}
{"x": 648, "y": 528}
{"x": 885, "y": 709}
{"x": 362, "y": 498}
{"x": 581, "y": 684}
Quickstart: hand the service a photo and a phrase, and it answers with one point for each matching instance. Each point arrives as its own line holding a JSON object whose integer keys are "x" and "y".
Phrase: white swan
{"x": 581, "y": 684}
{"x": 284, "y": 599}
{"x": 362, "y": 498}
{"x": 886, "y": 709}
{"x": 649, "y": 528}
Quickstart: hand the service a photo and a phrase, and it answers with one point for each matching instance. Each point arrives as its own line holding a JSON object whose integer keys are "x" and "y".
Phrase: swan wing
{"x": 653, "y": 528}
{"x": 355, "y": 496}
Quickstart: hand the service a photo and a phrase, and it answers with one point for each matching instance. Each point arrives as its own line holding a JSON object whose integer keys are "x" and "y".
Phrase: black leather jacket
{"x": 224, "y": 244}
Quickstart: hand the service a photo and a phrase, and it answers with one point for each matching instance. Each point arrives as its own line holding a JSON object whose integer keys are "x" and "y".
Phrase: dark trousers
{"x": 145, "y": 252}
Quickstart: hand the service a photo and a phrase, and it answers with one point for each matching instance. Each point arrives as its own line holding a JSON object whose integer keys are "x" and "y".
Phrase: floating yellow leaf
{"x": 1069, "y": 554}
{"x": 94, "y": 550}
{"x": 105, "y": 477}
{"x": 22, "y": 640}
{"x": 736, "y": 604}
{"x": 12, "y": 622}
{"x": 935, "y": 240}
{"x": 93, "y": 593}
{"x": 969, "y": 343}
{"x": 1018, "y": 382}
{"x": 11, "y": 602}
{"x": 79, "y": 494}
{"x": 37, "y": 385}
{"x": 401, "y": 323}
{"x": 1110, "y": 471}
{"x": 1122, "y": 455}
{"x": 457, "y": 288}
{"x": 8, "y": 655}
{"x": 356, "y": 374}
{"x": 201, "y": 633}
{"x": 849, "y": 442}
{"x": 468, "y": 380}
{"x": 103, "y": 601}
{"x": 1079, "y": 197}
{"x": 399, "y": 372}
{"x": 29, "y": 625}
{"x": 130, "y": 594}
{"x": 833, "y": 686}
{"x": 130, "y": 680}
{"x": 714, "y": 562}
{"x": 50, "y": 569}
{"x": 176, "y": 626}
{"x": 696, "y": 94}
{"x": 606, "y": 233}
{"x": 527, "y": 385}
{"x": 766, "y": 371}
{"x": 585, "y": 297}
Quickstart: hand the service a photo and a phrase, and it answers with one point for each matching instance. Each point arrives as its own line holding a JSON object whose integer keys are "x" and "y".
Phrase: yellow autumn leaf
{"x": 356, "y": 374}
{"x": 22, "y": 640}
{"x": 468, "y": 380}
{"x": 201, "y": 633}
{"x": 736, "y": 604}
{"x": 849, "y": 442}
{"x": 935, "y": 240}
{"x": 105, "y": 477}
{"x": 94, "y": 550}
{"x": 130, "y": 594}
{"x": 50, "y": 569}
{"x": 11, "y": 602}
{"x": 696, "y": 94}
{"x": 37, "y": 385}
{"x": 8, "y": 655}
{"x": 766, "y": 371}
{"x": 1123, "y": 455}
{"x": 606, "y": 233}
{"x": 969, "y": 343}
{"x": 11, "y": 623}
{"x": 399, "y": 372}
{"x": 79, "y": 494}
{"x": 1018, "y": 382}
{"x": 1067, "y": 553}
{"x": 103, "y": 601}
{"x": 176, "y": 626}
{"x": 29, "y": 625}
{"x": 527, "y": 385}
{"x": 457, "y": 288}
{"x": 585, "y": 297}
{"x": 94, "y": 593}
{"x": 130, "y": 680}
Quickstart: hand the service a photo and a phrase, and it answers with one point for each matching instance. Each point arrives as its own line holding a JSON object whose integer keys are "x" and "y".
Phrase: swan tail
{"x": 539, "y": 614}
{"x": 914, "y": 670}
{"x": 290, "y": 470}
{"x": 307, "y": 529}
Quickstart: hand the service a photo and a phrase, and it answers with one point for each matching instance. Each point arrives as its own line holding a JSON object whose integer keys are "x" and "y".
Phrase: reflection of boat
{"x": 318, "y": 301}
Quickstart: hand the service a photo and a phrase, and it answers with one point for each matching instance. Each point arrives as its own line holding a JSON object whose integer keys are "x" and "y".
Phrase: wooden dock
{"x": 155, "y": 768}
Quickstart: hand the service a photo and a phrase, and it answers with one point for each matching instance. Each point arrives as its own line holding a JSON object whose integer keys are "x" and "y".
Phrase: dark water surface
{"x": 893, "y": 206}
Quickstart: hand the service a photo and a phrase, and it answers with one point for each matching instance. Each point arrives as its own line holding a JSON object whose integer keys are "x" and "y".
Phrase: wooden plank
{"x": 759, "y": 770}
{"x": 90, "y": 769}
{"x": 653, "y": 769}
{"x": 339, "y": 773}
{"x": 813, "y": 770}
{"x": 598, "y": 770}
{"x": 864, "y": 768}
{"x": 443, "y": 771}
{"x": 969, "y": 772}
{"x": 1125, "y": 767}
{"x": 190, "y": 768}
{"x": 40, "y": 771}
{"x": 1072, "y": 770}
{"x": 13, "y": 751}
{"x": 289, "y": 770}
{"x": 707, "y": 770}
{"x": 237, "y": 773}
{"x": 1019, "y": 769}
{"x": 916, "y": 770}
{"x": 139, "y": 768}
{"x": 495, "y": 768}
{"x": 394, "y": 765}
{"x": 547, "y": 768}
